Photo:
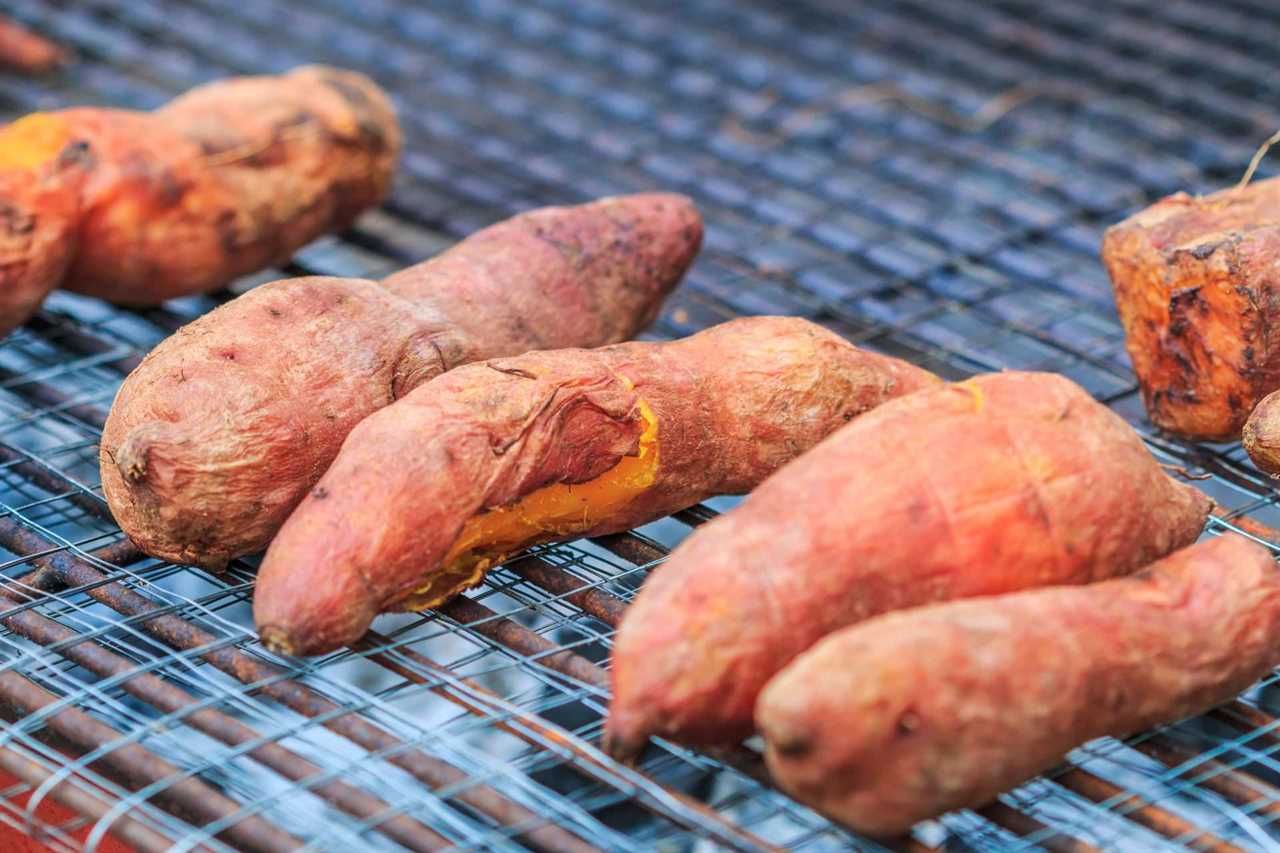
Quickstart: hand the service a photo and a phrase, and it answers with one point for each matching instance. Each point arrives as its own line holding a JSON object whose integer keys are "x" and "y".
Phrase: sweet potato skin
{"x": 1198, "y": 301}
{"x": 229, "y": 178}
{"x": 731, "y": 405}
{"x": 1002, "y": 482}
{"x": 37, "y": 235}
{"x": 917, "y": 713}
{"x": 26, "y": 51}
{"x": 1261, "y": 434}
{"x": 224, "y": 427}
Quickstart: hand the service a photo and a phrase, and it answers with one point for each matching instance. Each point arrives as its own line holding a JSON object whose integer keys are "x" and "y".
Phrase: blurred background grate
{"x": 930, "y": 179}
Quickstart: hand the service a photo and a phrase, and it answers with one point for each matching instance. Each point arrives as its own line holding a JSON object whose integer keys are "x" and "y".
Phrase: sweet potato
{"x": 476, "y": 465}
{"x": 25, "y": 51}
{"x": 1198, "y": 299}
{"x": 1261, "y": 434}
{"x": 998, "y": 483}
{"x": 232, "y": 177}
{"x": 224, "y": 427}
{"x": 913, "y": 714}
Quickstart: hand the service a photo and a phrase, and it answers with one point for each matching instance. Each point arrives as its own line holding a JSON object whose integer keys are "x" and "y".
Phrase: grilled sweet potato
{"x": 998, "y": 483}
{"x": 478, "y": 464}
{"x": 1261, "y": 434}
{"x": 224, "y": 427}
{"x": 23, "y": 50}
{"x": 1194, "y": 282}
{"x": 913, "y": 714}
{"x": 232, "y": 177}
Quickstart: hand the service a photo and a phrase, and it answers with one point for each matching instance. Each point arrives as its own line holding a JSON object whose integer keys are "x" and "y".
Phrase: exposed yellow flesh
{"x": 975, "y": 392}
{"x": 33, "y": 140}
{"x": 552, "y": 512}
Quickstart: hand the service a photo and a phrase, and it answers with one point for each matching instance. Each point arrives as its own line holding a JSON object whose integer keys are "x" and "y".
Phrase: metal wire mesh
{"x": 930, "y": 179}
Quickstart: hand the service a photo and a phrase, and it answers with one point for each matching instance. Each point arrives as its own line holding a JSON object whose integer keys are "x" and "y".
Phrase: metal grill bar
{"x": 74, "y": 572}
{"x": 74, "y": 792}
{"x": 172, "y": 700}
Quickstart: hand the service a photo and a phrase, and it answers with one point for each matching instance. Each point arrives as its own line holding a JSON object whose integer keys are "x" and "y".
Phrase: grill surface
{"x": 929, "y": 178}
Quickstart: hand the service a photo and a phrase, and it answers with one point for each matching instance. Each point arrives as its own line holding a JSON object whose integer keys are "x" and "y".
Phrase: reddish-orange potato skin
{"x": 1000, "y": 483}
{"x": 224, "y": 427}
{"x": 1195, "y": 284}
{"x": 25, "y": 51}
{"x": 224, "y": 180}
{"x": 732, "y": 404}
{"x": 1261, "y": 434}
{"x": 917, "y": 713}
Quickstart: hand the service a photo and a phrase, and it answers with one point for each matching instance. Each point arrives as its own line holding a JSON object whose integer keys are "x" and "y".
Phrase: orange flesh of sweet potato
{"x": 916, "y": 713}
{"x": 1195, "y": 286}
{"x": 229, "y": 178}
{"x": 1002, "y": 482}
{"x": 489, "y": 458}
{"x": 224, "y": 427}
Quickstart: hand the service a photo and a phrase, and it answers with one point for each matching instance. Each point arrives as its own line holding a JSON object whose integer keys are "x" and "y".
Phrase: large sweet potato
{"x": 476, "y": 465}
{"x": 998, "y": 483}
{"x": 913, "y": 714}
{"x": 224, "y": 427}
{"x": 1195, "y": 285}
{"x": 232, "y": 177}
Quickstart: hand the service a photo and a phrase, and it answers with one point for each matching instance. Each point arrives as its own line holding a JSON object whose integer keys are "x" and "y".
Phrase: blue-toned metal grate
{"x": 928, "y": 178}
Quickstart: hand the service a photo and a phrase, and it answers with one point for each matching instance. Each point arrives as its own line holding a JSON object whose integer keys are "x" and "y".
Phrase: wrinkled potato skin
{"x": 917, "y": 713}
{"x": 227, "y": 179}
{"x": 732, "y": 404}
{"x": 1002, "y": 482}
{"x": 1195, "y": 283}
{"x": 224, "y": 427}
{"x": 1261, "y": 434}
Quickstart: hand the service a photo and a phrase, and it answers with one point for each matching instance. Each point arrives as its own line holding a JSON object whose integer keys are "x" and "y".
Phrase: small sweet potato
{"x": 224, "y": 427}
{"x": 1001, "y": 482}
{"x": 25, "y": 51}
{"x": 476, "y": 465}
{"x": 1195, "y": 286}
{"x": 231, "y": 177}
{"x": 913, "y": 714}
{"x": 1261, "y": 434}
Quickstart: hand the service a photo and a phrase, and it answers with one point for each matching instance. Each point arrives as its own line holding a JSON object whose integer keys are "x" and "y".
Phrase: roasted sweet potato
{"x": 998, "y": 483}
{"x": 1194, "y": 282}
{"x": 232, "y": 177}
{"x": 913, "y": 714}
{"x": 23, "y": 50}
{"x": 1261, "y": 434}
{"x": 224, "y": 427}
{"x": 478, "y": 464}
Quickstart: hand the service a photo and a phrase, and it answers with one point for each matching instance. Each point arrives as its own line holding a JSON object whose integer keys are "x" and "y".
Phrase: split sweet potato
{"x": 917, "y": 713}
{"x": 1200, "y": 304}
{"x": 999, "y": 483}
{"x": 234, "y": 176}
{"x": 478, "y": 464}
{"x": 224, "y": 427}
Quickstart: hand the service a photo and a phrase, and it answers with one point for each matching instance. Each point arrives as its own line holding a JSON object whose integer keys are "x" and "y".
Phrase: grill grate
{"x": 929, "y": 179}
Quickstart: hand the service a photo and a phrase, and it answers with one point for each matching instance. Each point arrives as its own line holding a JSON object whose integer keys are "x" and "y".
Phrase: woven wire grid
{"x": 930, "y": 179}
